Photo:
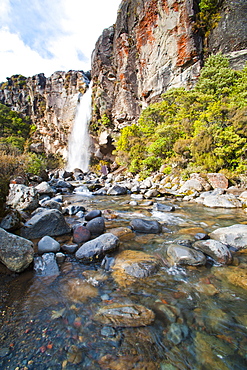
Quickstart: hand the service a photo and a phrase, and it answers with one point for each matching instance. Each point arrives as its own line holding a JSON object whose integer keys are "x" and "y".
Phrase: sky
{"x": 44, "y": 36}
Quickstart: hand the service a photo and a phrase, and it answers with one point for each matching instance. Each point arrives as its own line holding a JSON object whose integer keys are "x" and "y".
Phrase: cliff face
{"x": 152, "y": 47}
{"x": 156, "y": 45}
{"x": 50, "y": 103}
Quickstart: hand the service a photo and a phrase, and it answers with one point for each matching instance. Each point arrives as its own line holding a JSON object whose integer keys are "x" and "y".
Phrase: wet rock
{"x": 16, "y": 253}
{"x": 117, "y": 190}
{"x": 46, "y": 265}
{"x": 145, "y": 226}
{"x": 123, "y": 233}
{"x": 232, "y": 274}
{"x": 163, "y": 207}
{"x": 215, "y": 249}
{"x": 69, "y": 248}
{"x": 12, "y": 221}
{"x": 73, "y": 209}
{"x": 52, "y": 204}
{"x": 48, "y": 244}
{"x": 177, "y": 333}
{"x": 166, "y": 312}
{"x": 78, "y": 290}
{"x": 22, "y": 198}
{"x": 49, "y": 222}
{"x": 234, "y": 236}
{"x": 97, "y": 247}
{"x": 96, "y": 226}
{"x": 124, "y": 315}
{"x": 217, "y": 180}
{"x": 60, "y": 257}
{"x": 93, "y": 214}
{"x": 181, "y": 255}
{"x": 131, "y": 264}
{"x": 81, "y": 234}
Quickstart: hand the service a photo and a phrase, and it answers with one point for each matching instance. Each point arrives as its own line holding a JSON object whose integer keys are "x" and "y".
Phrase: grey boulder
{"x": 215, "y": 249}
{"x": 46, "y": 222}
{"x": 234, "y": 236}
{"x": 16, "y": 253}
{"x": 146, "y": 226}
{"x": 97, "y": 247}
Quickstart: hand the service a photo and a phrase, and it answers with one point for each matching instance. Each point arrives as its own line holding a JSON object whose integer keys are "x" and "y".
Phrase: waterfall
{"x": 78, "y": 148}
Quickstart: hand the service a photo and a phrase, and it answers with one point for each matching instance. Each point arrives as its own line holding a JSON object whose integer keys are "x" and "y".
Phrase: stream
{"x": 200, "y": 313}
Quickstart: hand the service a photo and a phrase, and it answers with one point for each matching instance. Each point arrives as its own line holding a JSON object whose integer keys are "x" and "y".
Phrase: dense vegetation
{"x": 204, "y": 129}
{"x": 15, "y": 158}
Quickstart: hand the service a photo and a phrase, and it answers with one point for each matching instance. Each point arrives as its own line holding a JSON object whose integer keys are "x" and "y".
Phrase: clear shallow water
{"x": 200, "y": 315}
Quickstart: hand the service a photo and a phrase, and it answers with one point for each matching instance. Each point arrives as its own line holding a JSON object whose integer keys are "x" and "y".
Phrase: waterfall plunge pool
{"x": 200, "y": 312}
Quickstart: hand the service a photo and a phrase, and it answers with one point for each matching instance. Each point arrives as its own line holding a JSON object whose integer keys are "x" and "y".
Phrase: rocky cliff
{"x": 50, "y": 103}
{"x": 156, "y": 45}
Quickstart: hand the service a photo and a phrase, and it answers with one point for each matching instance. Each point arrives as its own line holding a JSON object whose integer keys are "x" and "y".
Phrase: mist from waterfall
{"x": 79, "y": 141}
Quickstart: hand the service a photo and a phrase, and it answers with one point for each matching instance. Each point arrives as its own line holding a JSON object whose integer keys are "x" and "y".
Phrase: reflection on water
{"x": 200, "y": 312}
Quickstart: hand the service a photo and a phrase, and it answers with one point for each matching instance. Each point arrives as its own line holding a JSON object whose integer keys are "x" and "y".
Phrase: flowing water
{"x": 78, "y": 148}
{"x": 200, "y": 313}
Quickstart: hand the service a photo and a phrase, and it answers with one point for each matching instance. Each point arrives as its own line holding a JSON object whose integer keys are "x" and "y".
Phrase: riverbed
{"x": 200, "y": 312}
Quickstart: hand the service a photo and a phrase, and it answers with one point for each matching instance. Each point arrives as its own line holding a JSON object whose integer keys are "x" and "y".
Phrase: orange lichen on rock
{"x": 144, "y": 33}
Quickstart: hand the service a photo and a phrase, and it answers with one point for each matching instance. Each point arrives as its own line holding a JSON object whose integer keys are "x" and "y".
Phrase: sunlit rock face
{"x": 151, "y": 48}
{"x": 50, "y": 103}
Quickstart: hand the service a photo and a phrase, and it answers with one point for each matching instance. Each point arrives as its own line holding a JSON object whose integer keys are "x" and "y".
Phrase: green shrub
{"x": 203, "y": 128}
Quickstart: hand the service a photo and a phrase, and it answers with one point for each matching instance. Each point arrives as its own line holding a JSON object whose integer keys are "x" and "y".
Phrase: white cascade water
{"x": 78, "y": 148}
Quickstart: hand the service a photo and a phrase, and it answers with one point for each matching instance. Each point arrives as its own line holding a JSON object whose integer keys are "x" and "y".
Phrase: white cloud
{"x": 63, "y": 39}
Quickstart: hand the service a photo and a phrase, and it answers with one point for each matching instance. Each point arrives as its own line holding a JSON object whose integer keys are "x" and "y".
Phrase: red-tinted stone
{"x": 81, "y": 234}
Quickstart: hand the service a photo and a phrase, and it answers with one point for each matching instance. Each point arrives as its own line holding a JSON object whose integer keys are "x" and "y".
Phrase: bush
{"x": 203, "y": 128}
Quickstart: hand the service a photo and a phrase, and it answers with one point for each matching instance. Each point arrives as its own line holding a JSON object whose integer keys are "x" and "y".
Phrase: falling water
{"x": 78, "y": 153}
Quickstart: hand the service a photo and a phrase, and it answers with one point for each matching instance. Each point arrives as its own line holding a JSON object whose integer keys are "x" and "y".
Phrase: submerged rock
{"x": 131, "y": 264}
{"x": 47, "y": 222}
{"x": 234, "y": 236}
{"x": 78, "y": 290}
{"x": 146, "y": 226}
{"x": 124, "y": 315}
{"x": 163, "y": 207}
{"x": 97, "y": 247}
{"x": 46, "y": 265}
{"x": 16, "y": 253}
{"x": 181, "y": 255}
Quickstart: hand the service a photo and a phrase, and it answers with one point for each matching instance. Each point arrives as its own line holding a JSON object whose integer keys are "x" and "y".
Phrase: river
{"x": 200, "y": 314}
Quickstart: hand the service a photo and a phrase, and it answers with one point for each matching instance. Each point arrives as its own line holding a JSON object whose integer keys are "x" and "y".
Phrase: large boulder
{"x": 16, "y": 253}
{"x": 97, "y": 247}
{"x": 12, "y": 221}
{"x": 217, "y": 180}
{"x": 191, "y": 186}
{"x": 22, "y": 198}
{"x": 222, "y": 201}
{"x": 46, "y": 222}
{"x": 117, "y": 190}
{"x": 234, "y": 236}
{"x": 215, "y": 249}
{"x": 146, "y": 226}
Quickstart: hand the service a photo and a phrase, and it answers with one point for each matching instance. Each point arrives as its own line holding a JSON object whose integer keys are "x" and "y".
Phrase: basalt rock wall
{"x": 156, "y": 45}
{"x": 152, "y": 47}
{"x": 50, "y": 103}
